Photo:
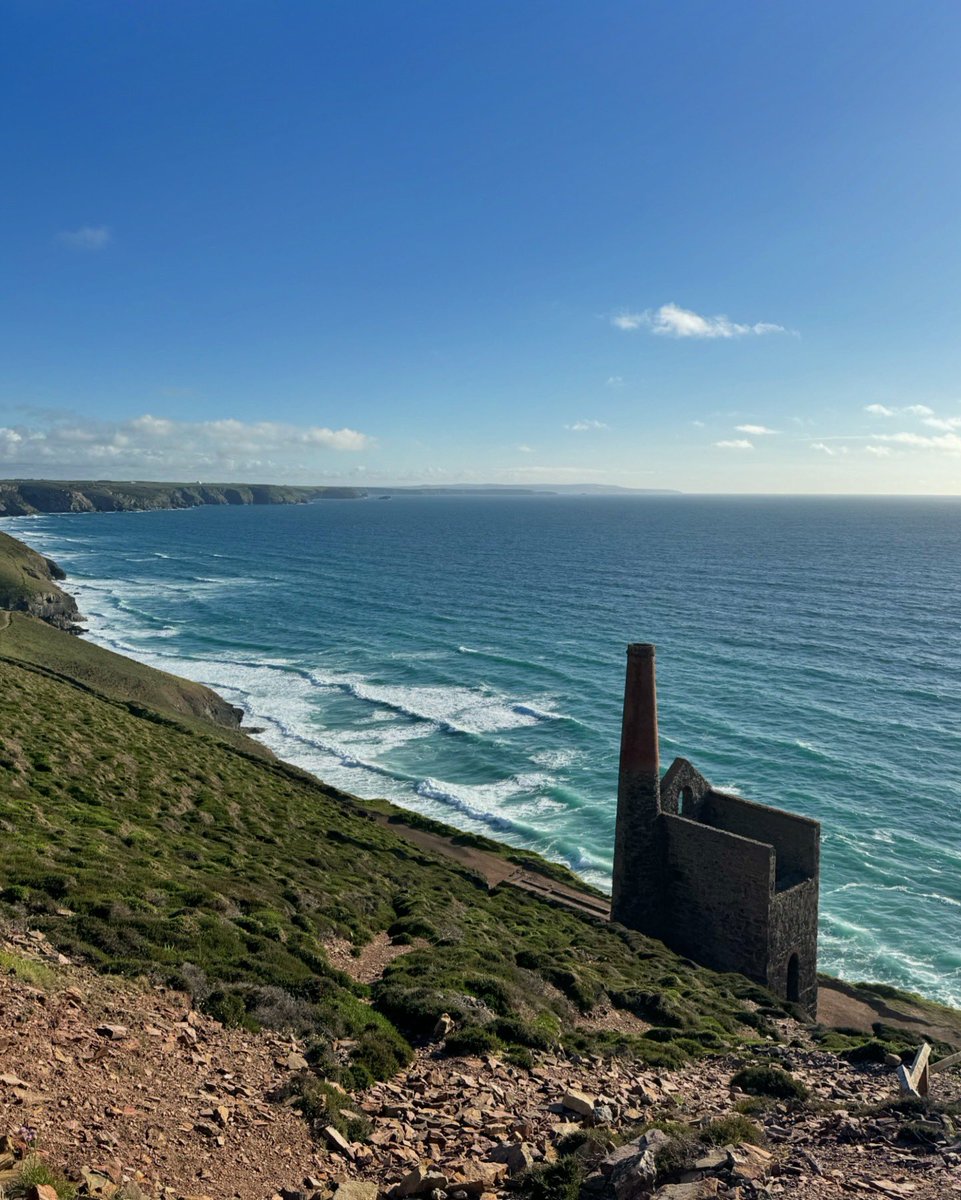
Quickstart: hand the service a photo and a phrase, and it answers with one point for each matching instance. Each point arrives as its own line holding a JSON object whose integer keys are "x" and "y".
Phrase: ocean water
{"x": 464, "y": 656}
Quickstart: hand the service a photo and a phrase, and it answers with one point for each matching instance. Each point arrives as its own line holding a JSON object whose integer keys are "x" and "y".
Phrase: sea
{"x": 464, "y": 657}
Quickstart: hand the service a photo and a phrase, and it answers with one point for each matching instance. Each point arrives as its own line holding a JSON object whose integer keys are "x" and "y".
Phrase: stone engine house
{"x": 726, "y": 882}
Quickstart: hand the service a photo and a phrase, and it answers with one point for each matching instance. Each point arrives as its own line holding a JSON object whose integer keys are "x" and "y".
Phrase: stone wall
{"x": 795, "y": 839}
{"x": 793, "y": 931}
{"x": 718, "y": 897}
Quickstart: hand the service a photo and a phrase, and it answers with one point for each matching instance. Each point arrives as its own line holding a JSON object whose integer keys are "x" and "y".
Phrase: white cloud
{"x": 946, "y": 423}
{"x": 524, "y": 449}
{"x": 735, "y": 444}
{"x": 670, "y": 320}
{"x": 615, "y": 381}
{"x": 87, "y": 237}
{"x": 167, "y": 449}
{"x": 698, "y": 424}
{"x": 911, "y": 410}
{"x": 585, "y": 426}
{"x": 878, "y": 451}
{"x": 943, "y": 443}
{"x": 756, "y": 430}
{"x": 629, "y": 320}
{"x": 830, "y": 451}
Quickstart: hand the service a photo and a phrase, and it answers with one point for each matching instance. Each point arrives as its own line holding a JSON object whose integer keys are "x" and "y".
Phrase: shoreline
{"x": 255, "y": 718}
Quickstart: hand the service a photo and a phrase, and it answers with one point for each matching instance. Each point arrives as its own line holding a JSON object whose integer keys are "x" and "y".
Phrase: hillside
{"x": 24, "y": 497}
{"x": 143, "y": 834}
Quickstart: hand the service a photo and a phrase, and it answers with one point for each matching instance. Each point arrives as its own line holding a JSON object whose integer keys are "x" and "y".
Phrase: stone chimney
{"x": 636, "y": 892}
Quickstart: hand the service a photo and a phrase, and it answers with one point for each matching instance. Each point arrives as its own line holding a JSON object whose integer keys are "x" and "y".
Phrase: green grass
{"x": 181, "y": 854}
{"x": 28, "y": 971}
{"x": 35, "y": 1172}
{"x": 142, "y": 835}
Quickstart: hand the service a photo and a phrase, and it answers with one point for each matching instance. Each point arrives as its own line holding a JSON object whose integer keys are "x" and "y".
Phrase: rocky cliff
{"x": 27, "y": 584}
{"x": 24, "y": 497}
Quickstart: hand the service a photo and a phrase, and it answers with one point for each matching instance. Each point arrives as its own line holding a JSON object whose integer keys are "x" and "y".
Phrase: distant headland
{"x": 26, "y": 497}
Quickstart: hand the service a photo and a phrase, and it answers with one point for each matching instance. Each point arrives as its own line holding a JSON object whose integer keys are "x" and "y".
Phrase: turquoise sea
{"x": 464, "y": 657}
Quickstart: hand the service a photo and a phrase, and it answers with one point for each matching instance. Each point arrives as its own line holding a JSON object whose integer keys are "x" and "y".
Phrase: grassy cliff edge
{"x": 144, "y": 832}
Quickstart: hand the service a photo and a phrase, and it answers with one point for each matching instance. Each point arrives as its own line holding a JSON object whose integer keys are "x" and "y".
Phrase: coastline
{"x": 854, "y": 1006}
{"x": 113, "y": 638}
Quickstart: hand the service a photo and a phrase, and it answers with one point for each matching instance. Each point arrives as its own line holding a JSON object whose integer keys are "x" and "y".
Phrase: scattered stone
{"x": 116, "y": 1033}
{"x": 420, "y": 1182}
{"x": 42, "y": 1191}
{"x": 578, "y": 1102}
{"x": 478, "y": 1177}
{"x": 337, "y": 1141}
{"x": 356, "y": 1189}
{"x": 444, "y": 1026}
{"x": 700, "y": 1190}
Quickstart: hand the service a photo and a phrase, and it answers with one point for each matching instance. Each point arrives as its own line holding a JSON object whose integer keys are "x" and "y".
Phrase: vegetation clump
{"x": 34, "y": 1172}
{"x": 770, "y": 1081}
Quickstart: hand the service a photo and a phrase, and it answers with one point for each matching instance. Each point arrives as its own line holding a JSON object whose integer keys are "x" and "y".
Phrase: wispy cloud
{"x": 909, "y": 410}
{"x": 735, "y": 444}
{"x": 585, "y": 426}
{"x": 830, "y": 451}
{"x": 87, "y": 237}
{"x": 946, "y": 423}
{"x": 670, "y": 320}
{"x": 943, "y": 443}
{"x": 615, "y": 381}
{"x": 524, "y": 449}
{"x": 168, "y": 449}
{"x": 878, "y": 451}
{"x": 756, "y": 430}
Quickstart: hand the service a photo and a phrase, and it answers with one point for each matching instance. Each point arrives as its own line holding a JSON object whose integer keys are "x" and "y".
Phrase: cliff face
{"x": 27, "y": 584}
{"x": 19, "y": 498}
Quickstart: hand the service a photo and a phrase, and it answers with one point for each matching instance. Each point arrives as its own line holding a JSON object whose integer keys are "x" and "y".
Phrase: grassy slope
{"x": 153, "y": 844}
{"x": 24, "y": 574}
{"x": 113, "y": 676}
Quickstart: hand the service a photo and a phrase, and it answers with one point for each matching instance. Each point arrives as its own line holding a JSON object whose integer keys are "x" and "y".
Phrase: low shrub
{"x": 732, "y": 1130}
{"x": 323, "y": 1104}
{"x": 472, "y": 1039}
{"x": 770, "y": 1081}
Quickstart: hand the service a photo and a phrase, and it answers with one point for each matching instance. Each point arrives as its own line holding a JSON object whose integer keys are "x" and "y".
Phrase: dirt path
{"x": 498, "y": 870}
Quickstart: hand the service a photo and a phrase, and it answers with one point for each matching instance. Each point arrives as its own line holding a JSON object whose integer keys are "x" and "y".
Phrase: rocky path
{"x": 125, "y": 1087}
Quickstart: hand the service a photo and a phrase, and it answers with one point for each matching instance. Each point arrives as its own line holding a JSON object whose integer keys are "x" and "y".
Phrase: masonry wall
{"x": 717, "y": 897}
{"x": 796, "y": 840}
{"x": 794, "y": 930}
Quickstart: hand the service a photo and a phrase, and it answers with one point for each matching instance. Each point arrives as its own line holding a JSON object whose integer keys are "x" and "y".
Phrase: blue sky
{"x": 707, "y": 246}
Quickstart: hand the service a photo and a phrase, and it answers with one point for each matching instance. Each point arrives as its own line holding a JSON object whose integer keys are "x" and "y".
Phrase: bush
{"x": 324, "y": 1104}
{"x": 228, "y": 1008}
{"x": 770, "y": 1081}
{"x": 472, "y": 1039}
{"x": 732, "y": 1130}
{"x": 868, "y": 1052}
{"x": 555, "y": 1181}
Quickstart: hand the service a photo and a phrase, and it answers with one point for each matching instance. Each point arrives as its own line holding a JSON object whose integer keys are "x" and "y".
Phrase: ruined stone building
{"x": 726, "y": 882}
